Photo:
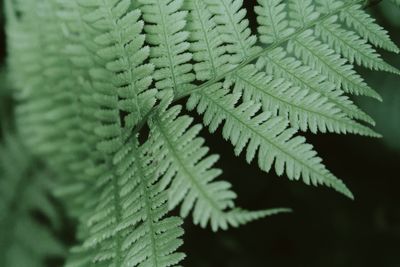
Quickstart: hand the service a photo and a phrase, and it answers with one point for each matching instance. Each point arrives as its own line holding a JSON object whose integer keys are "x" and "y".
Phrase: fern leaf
{"x": 89, "y": 75}
{"x": 320, "y": 57}
{"x": 193, "y": 181}
{"x": 233, "y": 26}
{"x": 302, "y": 13}
{"x": 278, "y": 63}
{"x": 364, "y": 25}
{"x": 165, "y": 21}
{"x": 272, "y": 20}
{"x": 154, "y": 240}
{"x": 189, "y": 171}
{"x": 351, "y": 46}
{"x": 127, "y": 228}
{"x": 269, "y": 135}
{"x": 207, "y": 46}
{"x": 304, "y": 110}
{"x": 122, "y": 86}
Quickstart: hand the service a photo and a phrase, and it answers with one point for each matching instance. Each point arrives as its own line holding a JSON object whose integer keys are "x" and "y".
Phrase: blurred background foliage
{"x": 325, "y": 229}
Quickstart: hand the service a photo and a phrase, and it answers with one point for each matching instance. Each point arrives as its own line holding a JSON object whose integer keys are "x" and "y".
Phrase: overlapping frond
{"x": 128, "y": 228}
{"x": 303, "y": 109}
{"x": 207, "y": 46}
{"x": 193, "y": 179}
{"x": 49, "y": 115}
{"x": 45, "y": 109}
{"x": 281, "y": 64}
{"x": 121, "y": 82}
{"x": 192, "y": 176}
{"x": 263, "y": 135}
{"x": 233, "y": 26}
{"x": 309, "y": 77}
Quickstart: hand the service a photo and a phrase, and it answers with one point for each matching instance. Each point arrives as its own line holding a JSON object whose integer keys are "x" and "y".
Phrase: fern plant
{"x": 92, "y": 75}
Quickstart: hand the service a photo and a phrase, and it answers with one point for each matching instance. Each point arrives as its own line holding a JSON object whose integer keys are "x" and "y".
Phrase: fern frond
{"x": 127, "y": 227}
{"x": 366, "y": 26}
{"x": 165, "y": 22}
{"x": 193, "y": 180}
{"x": 354, "y": 48}
{"x": 122, "y": 81}
{"x": 272, "y": 20}
{"x": 320, "y": 57}
{"x": 233, "y": 27}
{"x": 189, "y": 170}
{"x": 37, "y": 58}
{"x": 269, "y": 135}
{"x": 278, "y": 63}
{"x": 302, "y": 13}
{"x": 304, "y": 110}
{"x": 154, "y": 240}
{"x": 207, "y": 46}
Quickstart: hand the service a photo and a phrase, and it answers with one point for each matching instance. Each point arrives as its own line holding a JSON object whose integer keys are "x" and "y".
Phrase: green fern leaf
{"x": 326, "y": 61}
{"x": 272, "y": 20}
{"x": 269, "y": 135}
{"x": 280, "y": 64}
{"x": 165, "y": 22}
{"x": 364, "y": 25}
{"x": 122, "y": 85}
{"x": 207, "y": 45}
{"x": 233, "y": 27}
{"x": 193, "y": 181}
{"x": 303, "y": 110}
{"x": 351, "y": 46}
{"x": 127, "y": 228}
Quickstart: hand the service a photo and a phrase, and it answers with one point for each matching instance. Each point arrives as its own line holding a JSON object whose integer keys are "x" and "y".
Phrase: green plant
{"x": 91, "y": 75}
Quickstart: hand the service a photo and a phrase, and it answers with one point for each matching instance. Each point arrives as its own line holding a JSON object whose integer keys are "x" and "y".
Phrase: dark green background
{"x": 325, "y": 228}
